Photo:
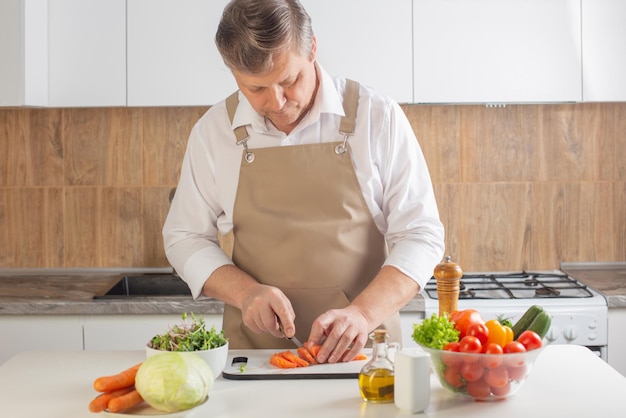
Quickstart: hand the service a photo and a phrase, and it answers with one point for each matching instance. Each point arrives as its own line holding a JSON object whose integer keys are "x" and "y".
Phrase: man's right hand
{"x": 263, "y": 307}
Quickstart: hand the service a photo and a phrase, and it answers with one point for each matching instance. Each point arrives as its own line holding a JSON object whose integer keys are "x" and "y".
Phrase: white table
{"x": 567, "y": 381}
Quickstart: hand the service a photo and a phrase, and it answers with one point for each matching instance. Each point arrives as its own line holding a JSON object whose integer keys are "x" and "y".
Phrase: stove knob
{"x": 553, "y": 334}
{"x": 570, "y": 333}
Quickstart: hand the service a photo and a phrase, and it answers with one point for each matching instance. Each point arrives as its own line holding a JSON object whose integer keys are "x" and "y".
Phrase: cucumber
{"x": 527, "y": 318}
{"x": 541, "y": 324}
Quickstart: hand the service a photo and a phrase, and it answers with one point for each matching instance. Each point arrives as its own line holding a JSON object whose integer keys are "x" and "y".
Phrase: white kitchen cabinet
{"x": 497, "y": 51}
{"x": 39, "y": 332}
{"x": 172, "y": 57}
{"x": 367, "y": 41}
{"x": 132, "y": 332}
{"x": 617, "y": 339}
{"x": 63, "y": 53}
{"x": 604, "y": 50}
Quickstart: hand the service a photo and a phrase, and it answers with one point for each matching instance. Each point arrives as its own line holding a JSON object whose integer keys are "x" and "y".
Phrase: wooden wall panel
{"x": 165, "y": 132}
{"x": 34, "y": 149}
{"x": 103, "y": 147}
{"x": 499, "y": 144}
{"x": 517, "y": 187}
{"x": 32, "y": 219}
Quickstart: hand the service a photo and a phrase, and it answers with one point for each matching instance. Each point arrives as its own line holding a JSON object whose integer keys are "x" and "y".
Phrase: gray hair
{"x": 251, "y": 32}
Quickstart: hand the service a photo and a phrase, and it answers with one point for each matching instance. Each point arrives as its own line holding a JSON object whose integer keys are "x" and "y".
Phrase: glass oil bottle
{"x": 376, "y": 380}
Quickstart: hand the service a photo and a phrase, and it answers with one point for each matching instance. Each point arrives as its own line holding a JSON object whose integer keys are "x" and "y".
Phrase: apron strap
{"x": 350, "y": 106}
{"x": 346, "y": 126}
{"x": 241, "y": 133}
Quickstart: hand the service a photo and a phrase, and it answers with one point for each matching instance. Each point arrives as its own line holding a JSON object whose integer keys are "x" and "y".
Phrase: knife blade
{"x": 293, "y": 339}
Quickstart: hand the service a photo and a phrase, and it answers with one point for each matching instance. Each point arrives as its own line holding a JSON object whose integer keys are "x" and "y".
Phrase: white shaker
{"x": 412, "y": 380}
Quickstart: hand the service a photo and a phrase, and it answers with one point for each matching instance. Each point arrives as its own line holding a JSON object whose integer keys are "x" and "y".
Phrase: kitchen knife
{"x": 293, "y": 339}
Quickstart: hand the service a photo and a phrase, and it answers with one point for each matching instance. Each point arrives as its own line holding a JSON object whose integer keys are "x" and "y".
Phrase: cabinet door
{"x": 604, "y": 50}
{"x": 366, "y": 40}
{"x": 497, "y": 51}
{"x": 172, "y": 57}
{"x": 132, "y": 332}
{"x": 10, "y": 64}
{"x": 86, "y": 53}
{"x": 39, "y": 332}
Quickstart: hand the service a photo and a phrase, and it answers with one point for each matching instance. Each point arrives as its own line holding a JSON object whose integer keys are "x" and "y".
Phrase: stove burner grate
{"x": 516, "y": 285}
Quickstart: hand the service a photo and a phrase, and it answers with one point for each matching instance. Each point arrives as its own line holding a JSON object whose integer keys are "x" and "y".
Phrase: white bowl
{"x": 215, "y": 357}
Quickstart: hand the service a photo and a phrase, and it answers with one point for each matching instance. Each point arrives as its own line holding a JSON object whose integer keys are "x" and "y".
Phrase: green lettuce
{"x": 435, "y": 332}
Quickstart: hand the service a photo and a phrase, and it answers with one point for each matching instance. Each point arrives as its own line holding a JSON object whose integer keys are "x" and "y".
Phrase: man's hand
{"x": 342, "y": 333}
{"x": 263, "y": 306}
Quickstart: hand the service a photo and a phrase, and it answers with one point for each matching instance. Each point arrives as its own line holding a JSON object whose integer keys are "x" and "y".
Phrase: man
{"x": 320, "y": 181}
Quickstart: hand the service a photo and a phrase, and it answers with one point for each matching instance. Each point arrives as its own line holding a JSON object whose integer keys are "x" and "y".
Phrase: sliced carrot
{"x": 101, "y": 402}
{"x": 124, "y": 402}
{"x": 360, "y": 356}
{"x": 294, "y": 359}
{"x": 306, "y": 355}
{"x": 314, "y": 349}
{"x": 281, "y": 362}
{"x": 121, "y": 380}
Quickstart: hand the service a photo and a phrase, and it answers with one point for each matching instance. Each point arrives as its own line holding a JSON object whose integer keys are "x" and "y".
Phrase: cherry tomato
{"x": 470, "y": 344}
{"x": 494, "y": 356}
{"x": 478, "y": 389}
{"x": 479, "y": 331}
{"x": 498, "y": 377}
{"x": 517, "y": 373}
{"x": 452, "y": 375}
{"x": 451, "y": 359}
{"x": 472, "y": 371}
{"x": 514, "y": 348}
{"x": 502, "y": 391}
{"x": 464, "y": 318}
{"x": 530, "y": 339}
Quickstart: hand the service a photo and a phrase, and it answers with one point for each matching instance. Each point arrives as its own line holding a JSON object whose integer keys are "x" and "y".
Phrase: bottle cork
{"x": 448, "y": 275}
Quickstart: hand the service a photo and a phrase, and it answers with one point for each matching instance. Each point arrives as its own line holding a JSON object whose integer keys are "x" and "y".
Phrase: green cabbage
{"x": 174, "y": 381}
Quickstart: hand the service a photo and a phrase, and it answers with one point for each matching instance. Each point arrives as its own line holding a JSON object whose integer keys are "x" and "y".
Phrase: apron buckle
{"x": 341, "y": 148}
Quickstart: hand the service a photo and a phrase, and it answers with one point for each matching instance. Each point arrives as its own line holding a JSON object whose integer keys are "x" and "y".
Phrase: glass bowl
{"x": 482, "y": 377}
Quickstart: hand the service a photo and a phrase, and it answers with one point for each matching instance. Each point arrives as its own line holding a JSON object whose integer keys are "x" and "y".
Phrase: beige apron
{"x": 301, "y": 224}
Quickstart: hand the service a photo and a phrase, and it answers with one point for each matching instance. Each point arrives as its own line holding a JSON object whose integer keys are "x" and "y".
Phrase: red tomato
{"x": 478, "y": 389}
{"x": 480, "y": 331}
{"x": 463, "y": 319}
{"x": 515, "y": 359}
{"x": 470, "y": 344}
{"x": 494, "y": 357}
{"x": 472, "y": 371}
{"x": 451, "y": 359}
{"x": 517, "y": 373}
{"x": 452, "y": 375}
{"x": 530, "y": 339}
{"x": 498, "y": 377}
{"x": 503, "y": 390}
{"x": 514, "y": 347}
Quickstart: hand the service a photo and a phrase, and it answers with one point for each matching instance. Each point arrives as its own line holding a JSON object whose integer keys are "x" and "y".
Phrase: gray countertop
{"x": 72, "y": 291}
{"x": 607, "y": 278}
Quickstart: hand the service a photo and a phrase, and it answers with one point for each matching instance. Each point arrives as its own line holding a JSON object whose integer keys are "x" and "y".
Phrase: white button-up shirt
{"x": 388, "y": 161}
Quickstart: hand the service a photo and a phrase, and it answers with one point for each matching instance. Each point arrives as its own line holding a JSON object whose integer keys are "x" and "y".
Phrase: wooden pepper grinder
{"x": 448, "y": 275}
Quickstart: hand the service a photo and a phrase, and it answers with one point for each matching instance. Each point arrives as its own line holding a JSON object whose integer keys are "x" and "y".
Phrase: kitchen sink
{"x": 147, "y": 285}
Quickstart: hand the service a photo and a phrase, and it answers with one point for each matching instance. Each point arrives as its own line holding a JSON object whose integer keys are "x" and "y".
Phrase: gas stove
{"x": 579, "y": 313}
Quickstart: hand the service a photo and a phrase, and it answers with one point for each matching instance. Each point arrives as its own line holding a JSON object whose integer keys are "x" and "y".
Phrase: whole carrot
{"x": 101, "y": 402}
{"x": 121, "y": 380}
{"x": 124, "y": 402}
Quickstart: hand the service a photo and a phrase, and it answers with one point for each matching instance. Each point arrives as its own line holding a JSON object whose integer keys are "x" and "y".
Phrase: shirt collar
{"x": 327, "y": 100}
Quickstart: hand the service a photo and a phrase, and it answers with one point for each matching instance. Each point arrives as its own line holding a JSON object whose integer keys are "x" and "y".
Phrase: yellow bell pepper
{"x": 498, "y": 333}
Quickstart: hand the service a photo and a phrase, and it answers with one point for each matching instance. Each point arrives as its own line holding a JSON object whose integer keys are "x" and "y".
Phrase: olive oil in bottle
{"x": 376, "y": 380}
